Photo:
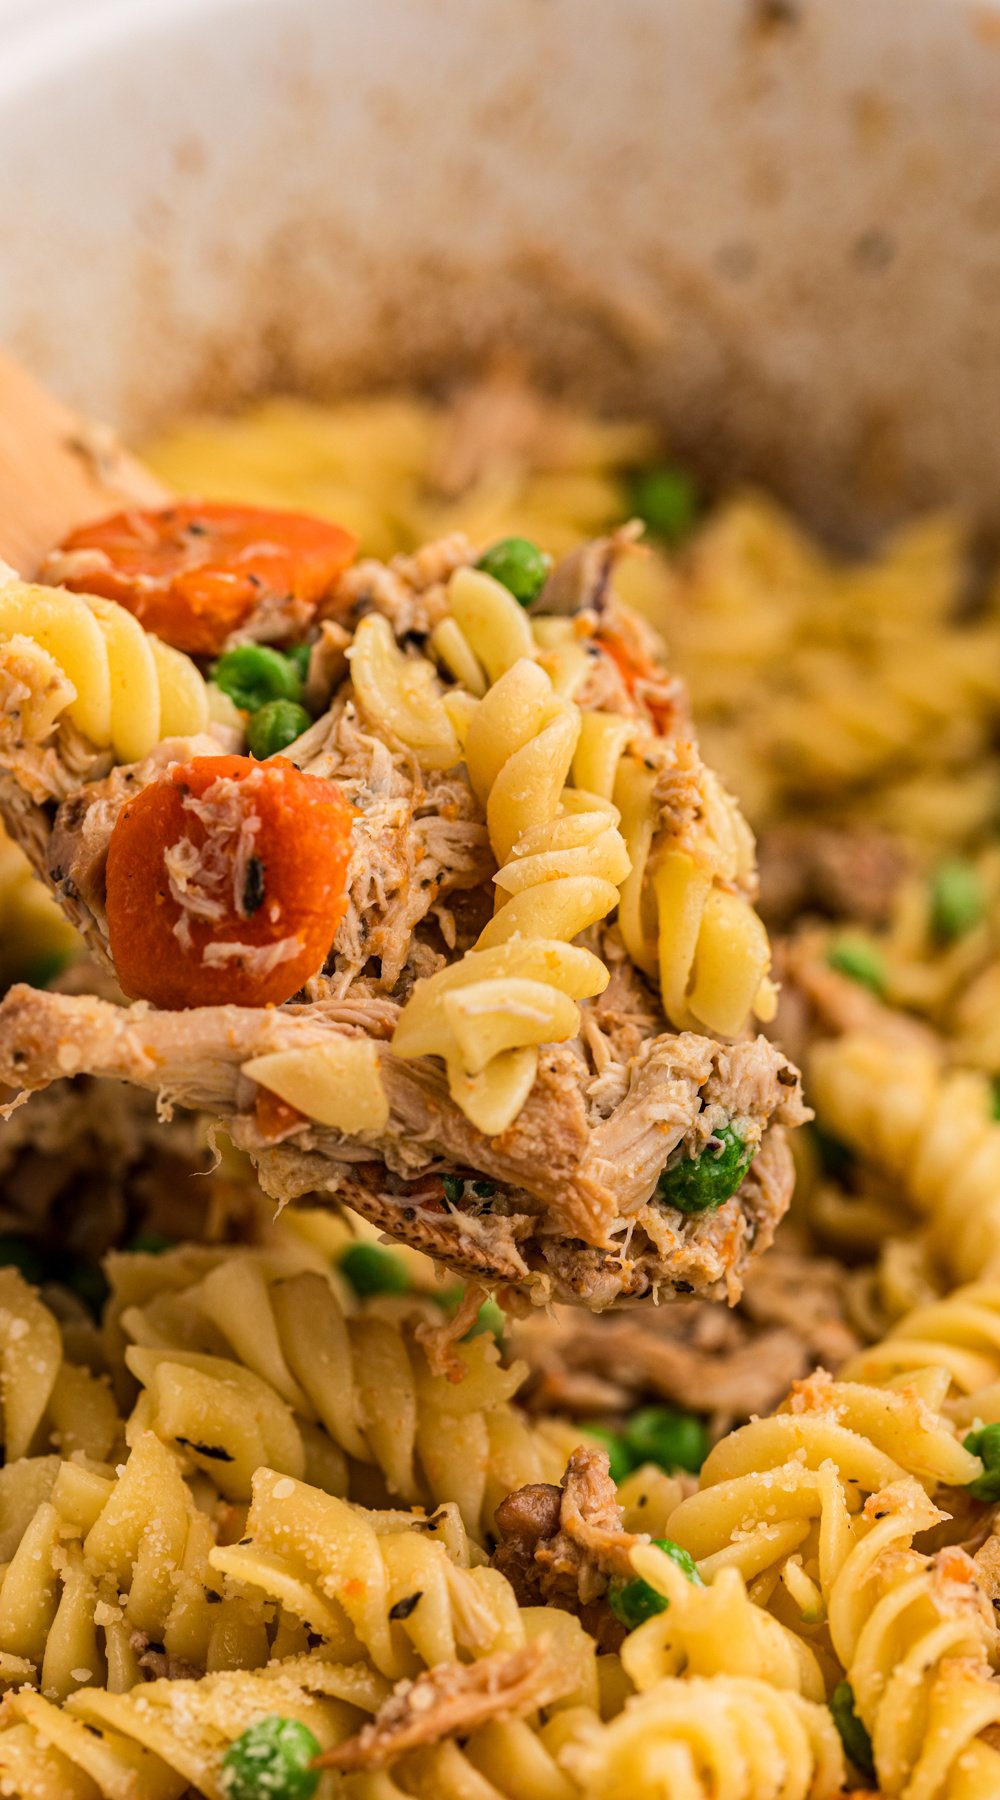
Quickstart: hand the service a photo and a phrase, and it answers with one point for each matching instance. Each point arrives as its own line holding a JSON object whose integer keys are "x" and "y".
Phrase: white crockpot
{"x": 776, "y": 222}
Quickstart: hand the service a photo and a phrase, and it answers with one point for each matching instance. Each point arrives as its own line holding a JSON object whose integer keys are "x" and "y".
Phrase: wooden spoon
{"x": 57, "y": 471}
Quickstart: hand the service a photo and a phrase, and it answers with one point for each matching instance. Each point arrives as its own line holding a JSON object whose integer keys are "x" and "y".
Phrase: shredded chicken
{"x": 560, "y": 1546}
{"x": 568, "y": 1189}
{"x": 852, "y": 873}
{"x": 452, "y": 1700}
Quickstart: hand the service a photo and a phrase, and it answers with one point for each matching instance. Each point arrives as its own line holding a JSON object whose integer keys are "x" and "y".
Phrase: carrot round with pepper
{"x": 194, "y": 571}
{"x": 226, "y": 881}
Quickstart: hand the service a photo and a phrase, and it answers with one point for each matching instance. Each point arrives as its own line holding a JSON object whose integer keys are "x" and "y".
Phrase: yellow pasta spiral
{"x": 33, "y": 931}
{"x": 558, "y": 872}
{"x": 711, "y": 1736}
{"x": 917, "y": 1640}
{"x": 168, "y": 1737}
{"x": 792, "y": 1483}
{"x": 88, "y": 658}
{"x": 254, "y": 1357}
{"x": 379, "y": 1585}
{"x": 926, "y": 1127}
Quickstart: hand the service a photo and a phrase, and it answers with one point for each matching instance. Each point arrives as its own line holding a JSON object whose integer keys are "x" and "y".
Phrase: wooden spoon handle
{"x": 57, "y": 471}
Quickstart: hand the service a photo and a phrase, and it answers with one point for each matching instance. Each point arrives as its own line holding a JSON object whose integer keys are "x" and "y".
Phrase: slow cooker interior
{"x": 774, "y": 223}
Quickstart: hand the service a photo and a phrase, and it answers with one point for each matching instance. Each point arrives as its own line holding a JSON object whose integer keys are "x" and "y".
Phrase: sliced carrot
{"x": 226, "y": 881}
{"x": 195, "y": 571}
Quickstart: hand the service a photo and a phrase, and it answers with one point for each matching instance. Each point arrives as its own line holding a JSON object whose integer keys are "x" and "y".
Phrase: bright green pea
{"x": 701, "y": 1183}
{"x": 659, "y": 1434}
{"x": 853, "y": 1735}
{"x": 856, "y": 958}
{"x": 958, "y": 900}
{"x": 986, "y": 1445}
{"x": 519, "y": 566}
{"x": 254, "y": 673}
{"x": 274, "y": 726}
{"x": 371, "y": 1269}
{"x": 620, "y": 1460}
{"x": 21, "y": 1254}
{"x": 270, "y": 1761}
{"x": 666, "y": 500}
{"x": 633, "y": 1602}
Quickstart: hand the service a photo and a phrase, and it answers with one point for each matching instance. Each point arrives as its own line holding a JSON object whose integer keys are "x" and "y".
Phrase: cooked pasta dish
{"x": 500, "y": 1160}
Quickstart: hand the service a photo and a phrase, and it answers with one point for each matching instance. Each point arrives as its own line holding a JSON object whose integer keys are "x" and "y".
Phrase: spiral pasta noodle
{"x": 169, "y": 1736}
{"x": 259, "y": 1361}
{"x": 917, "y": 1640}
{"x": 107, "y": 1564}
{"x": 929, "y": 1128}
{"x": 713, "y": 1735}
{"x": 713, "y": 1630}
{"x": 365, "y": 1586}
{"x": 486, "y": 1014}
{"x": 89, "y": 659}
{"x": 790, "y": 1484}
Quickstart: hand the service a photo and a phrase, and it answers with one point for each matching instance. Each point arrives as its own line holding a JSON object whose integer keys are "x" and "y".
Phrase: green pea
{"x": 853, "y": 1735}
{"x": 490, "y": 1317}
{"x": 371, "y": 1269}
{"x": 299, "y": 655}
{"x": 985, "y": 1444}
{"x": 274, "y": 726}
{"x": 666, "y": 500}
{"x": 151, "y": 1243}
{"x": 21, "y": 1254}
{"x": 254, "y": 673}
{"x": 620, "y": 1458}
{"x": 856, "y": 958}
{"x": 659, "y": 1434}
{"x": 271, "y": 1761}
{"x": 958, "y": 900}
{"x": 698, "y": 1184}
{"x": 995, "y": 1095}
{"x": 633, "y": 1602}
{"x": 519, "y": 566}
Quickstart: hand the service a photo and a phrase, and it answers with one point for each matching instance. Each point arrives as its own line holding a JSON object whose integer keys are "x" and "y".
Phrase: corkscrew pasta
{"x": 88, "y": 658}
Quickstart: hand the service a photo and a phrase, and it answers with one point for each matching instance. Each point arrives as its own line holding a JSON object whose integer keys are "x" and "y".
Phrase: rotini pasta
{"x": 713, "y": 1735}
{"x": 88, "y": 658}
{"x": 930, "y": 1129}
{"x": 917, "y": 1639}
{"x": 260, "y": 1359}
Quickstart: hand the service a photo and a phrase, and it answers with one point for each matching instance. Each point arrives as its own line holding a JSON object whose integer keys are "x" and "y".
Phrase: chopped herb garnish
{"x": 853, "y": 1735}
{"x": 253, "y": 886}
{"x": 403, "y": 1608}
